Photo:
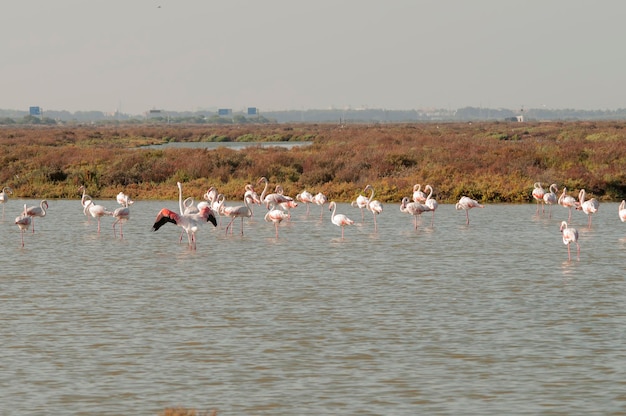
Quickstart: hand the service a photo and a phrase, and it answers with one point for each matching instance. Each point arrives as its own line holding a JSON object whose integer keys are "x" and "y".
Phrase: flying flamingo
{"x": 240, "y": 211}
{"x": 413, "y": 208}
{"x": 418, "y": 195}
{"x": 320, "y": 199}
{"x": 272, "y": 199}
{"x": 589, "y": 207}
{"x": 550, "y": 198}
{"x": 23, "y": 222}
{"x": 37, "y": 211}
{"x": 339, "y": 220}
{"x": 276, "y": 216}
{"x": 621, "y": 212}
{"x": 121, "y": 215}
{"x": 538, "y": 193}
{"x": 4, "y": 197}
{"x": 568, "y": 202}
{"x": 373, "y": 205}
{"x": 306, "y": 198}
{"x": 431, "y": 203}
{"x": 361, "y": 203}
{"x": 189, "y": 222}
{"x": 466, "y": 204}
{"x": 570, "y": 235}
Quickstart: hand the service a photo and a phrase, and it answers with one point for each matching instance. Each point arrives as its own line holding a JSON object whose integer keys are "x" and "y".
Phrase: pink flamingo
{"x": 251, "y": 195}
{"x": 374, "y": 206}
{"x": 23, "y": 222}
{"x": 361, "y": 203}
{"x": 276, "y": 216}
{"x": 240, "y": 211}
{"x": 621, "y": 211}
{"x": 568, "y": 202}
{"x": 272, "y": 199}
{"x": 121, "y": 215}
{"x": 306, "y": 198}
{"x": 431, "y": 203}
{"x": 466, "y": 204}
{"x": 37, "y": 211}
{"x": 538, "y": 193}
{"x": 339, "y": 220}
{"x": 96, "y": 211}
{"x": 123, "y": 199}
{"x": 550, "y": 198}
{"x": 589, "y": 207}
{"x": 188, "y": 222}
{"x": 4, "y": 197}
{"x": 570, "y": 235}
{"x": 320, "y": 199}
{"x": 418, "y": 195}
{"x": 413, "y": 208}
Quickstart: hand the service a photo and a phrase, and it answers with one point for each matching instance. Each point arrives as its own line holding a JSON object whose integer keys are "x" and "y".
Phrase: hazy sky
{"x": 188, "y": 55}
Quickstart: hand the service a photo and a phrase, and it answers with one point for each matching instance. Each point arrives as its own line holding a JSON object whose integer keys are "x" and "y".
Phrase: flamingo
{"x": 23, "y": 222}
{"x": 37, "y": 211}
{"x": 550, "y": 198}
{"x": 621, "y": 212}
{"x": 361, "y": 203}
{"x": 276, "y": 216}
{"x": 251, "y": 195}
{"x": 373, "y": 205}
{"x": 188, "y": 222}
{"x": 466, "y": 204}
{"x": 4, "y": 197}
{"x": 306, "y": 198}
{"x": 413, "y": 208}
{"x": 339, "y": 220}
{"x": 272, "y": 199}
{"x": 538, "y": 193}
{"x": 121, "y": 214}
{"x": 240, "y": 211}
{"x": 124, "y": 200}
{"x": 431, "y": 203}
{"x": 570, "y": 235}
{"x": 568, "y": 202}
{"x": 320, "y": 199}
{"x": 589, "y": 207}
{"x": 85, "y": 199}
{"x": 96, "y": 211}
{"x": 418, "y": 195}
{"x": 210, "y": 195}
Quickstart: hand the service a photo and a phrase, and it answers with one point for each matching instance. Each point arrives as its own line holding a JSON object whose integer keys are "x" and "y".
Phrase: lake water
{"x": 229, "y": 145}
{"x": 485, "y": 319}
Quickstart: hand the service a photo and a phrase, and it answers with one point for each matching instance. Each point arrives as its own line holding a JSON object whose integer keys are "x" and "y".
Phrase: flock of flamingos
{"x": 192, "y": 216}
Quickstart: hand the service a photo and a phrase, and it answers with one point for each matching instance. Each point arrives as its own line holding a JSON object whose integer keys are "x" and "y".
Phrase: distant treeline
{"x": 339, "y": 116}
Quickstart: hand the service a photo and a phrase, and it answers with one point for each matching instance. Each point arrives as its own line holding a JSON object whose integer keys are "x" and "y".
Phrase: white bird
{"x": 374, "y": 206}
{"x": 418, "y": 195}
{"x": 589, "y": 207}
{"x": 361, "y": 203}
{"x": 413, "y": 208}
{"x": 37, "y": 211}
{"x": 339, "y": 220}
{"x": 96, "y": 211}
{"x": 320, "y": 199}
{"x": 239, "y": 211}
{"x": 570, "y": 235}
{"x": 306, "y": 198}
{"x": 538, "y": 193}
{"x": 276, "y": 216}
{"x": 621, "y": 212}
{"x": 431, "y": 203}
{"x": 568, "y": 202}
{"x": 4, "y": 197}
{"x": 23, "y": 222}
{"x": 121, "y": 215}
{"x": 550, "y": 198}
{"x": 272, "y": 199}
{"x": 466, "y": 204}
{"x": 124, "y": 200}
